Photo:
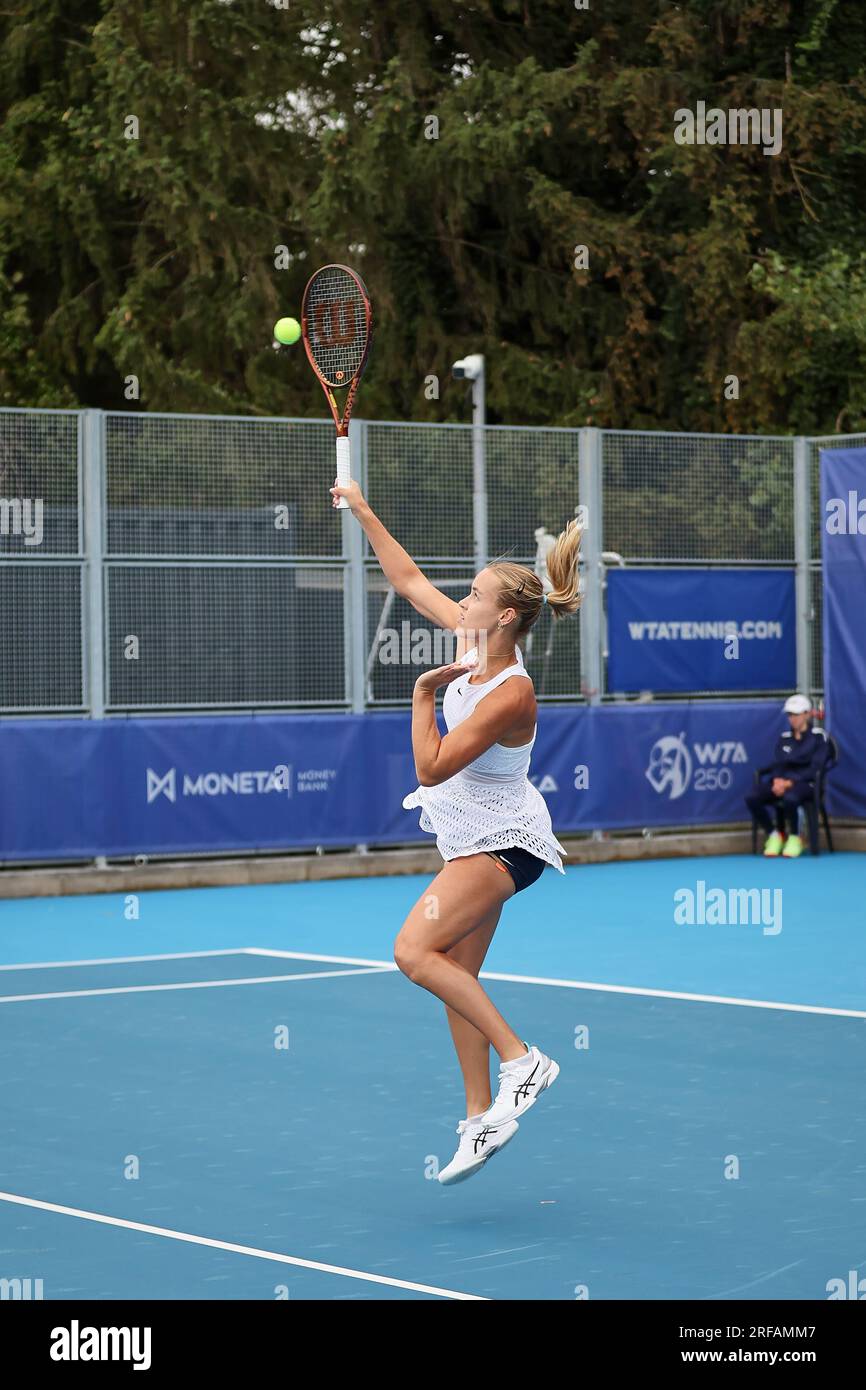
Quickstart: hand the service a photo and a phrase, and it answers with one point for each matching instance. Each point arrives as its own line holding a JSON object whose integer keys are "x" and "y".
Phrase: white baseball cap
{"x": 798, "y": 704}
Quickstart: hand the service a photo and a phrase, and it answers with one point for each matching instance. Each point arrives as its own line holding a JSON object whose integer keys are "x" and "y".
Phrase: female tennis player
{"x": 492, "y": 825}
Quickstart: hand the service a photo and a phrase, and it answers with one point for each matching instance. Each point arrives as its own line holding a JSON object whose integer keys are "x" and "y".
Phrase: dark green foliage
{"x": 155, "y": 256}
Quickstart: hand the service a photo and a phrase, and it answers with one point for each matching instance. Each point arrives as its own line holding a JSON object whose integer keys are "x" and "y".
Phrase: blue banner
{"x": 77, "y": 788}
{"x": 843, "y": 539}
{"x": 682, "y": 630}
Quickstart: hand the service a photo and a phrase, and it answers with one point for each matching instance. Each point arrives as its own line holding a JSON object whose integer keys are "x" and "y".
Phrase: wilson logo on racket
{"x": 329, "y": 319}
{"x": 337, "y": 330}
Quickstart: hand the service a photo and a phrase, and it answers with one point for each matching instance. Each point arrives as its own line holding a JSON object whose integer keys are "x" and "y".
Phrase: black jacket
{"x": 800, "y": 758}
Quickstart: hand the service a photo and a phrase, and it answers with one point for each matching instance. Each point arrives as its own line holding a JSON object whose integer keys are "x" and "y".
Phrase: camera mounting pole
{"x": 472, "y": 369}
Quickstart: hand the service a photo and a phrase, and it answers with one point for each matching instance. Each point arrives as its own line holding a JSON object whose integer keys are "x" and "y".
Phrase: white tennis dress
{"x": 491, "y": 804}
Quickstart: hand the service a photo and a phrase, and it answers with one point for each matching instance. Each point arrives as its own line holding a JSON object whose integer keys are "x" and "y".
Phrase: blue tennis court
{"x": 236, "y": 1095}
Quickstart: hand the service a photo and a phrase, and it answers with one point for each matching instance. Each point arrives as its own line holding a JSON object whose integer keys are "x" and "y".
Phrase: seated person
{"x": 797, "y": 757}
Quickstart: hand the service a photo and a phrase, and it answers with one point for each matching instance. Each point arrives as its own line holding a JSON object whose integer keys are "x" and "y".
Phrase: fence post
{"x": 353, "y": 549}
{"x": 592, "y": 607}
{"x": 93, "y": 598}
{"x": 355, "y": 610}
{"x": 802, "y": 560}
{"x": 479, "y": 469}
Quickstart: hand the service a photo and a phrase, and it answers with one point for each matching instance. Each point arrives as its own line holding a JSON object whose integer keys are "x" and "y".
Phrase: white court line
{"x": 305, "y": 955}
{"x": 677, "y": 994}
{"x": 238, "y": 1249}
{"x": 192, "y": 984}
{"x": 382, "y": 965}
{"x": 589, "y": 984}
{"x": 124, "y": 960}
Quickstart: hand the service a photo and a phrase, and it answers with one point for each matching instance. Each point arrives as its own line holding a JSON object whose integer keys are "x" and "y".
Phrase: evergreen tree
{"x": 459, "y": 155}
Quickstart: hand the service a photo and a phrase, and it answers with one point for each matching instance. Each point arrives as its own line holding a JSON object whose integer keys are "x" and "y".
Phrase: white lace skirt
{"x": 468, "y": 816}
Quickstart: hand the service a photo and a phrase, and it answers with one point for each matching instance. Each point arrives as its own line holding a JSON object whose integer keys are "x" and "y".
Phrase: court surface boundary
{"x": 375, "y": 967}
{"x": 364, "y": 966}
{"x": 251, "y": 1250}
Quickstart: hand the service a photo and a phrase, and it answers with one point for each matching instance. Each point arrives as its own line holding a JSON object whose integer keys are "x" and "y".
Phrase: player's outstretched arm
{"x": 398, "y": 566}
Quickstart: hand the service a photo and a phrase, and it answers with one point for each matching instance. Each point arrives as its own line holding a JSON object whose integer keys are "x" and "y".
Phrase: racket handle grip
{"x": 344, "y": 465}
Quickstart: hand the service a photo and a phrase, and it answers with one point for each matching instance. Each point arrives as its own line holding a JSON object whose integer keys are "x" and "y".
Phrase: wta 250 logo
{"x": 672, "y": 765}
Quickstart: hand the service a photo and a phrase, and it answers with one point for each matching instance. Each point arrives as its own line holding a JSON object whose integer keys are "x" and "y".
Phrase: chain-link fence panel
{"x": 40, "y": 483}
{"x": 41, "y": 637}
{"x": 676, "y": 498}
{"x": 212, "y": 527}
{"x": 225, "y": 636}
{"x": 532, "y": 483}
{"x": 229, "y": 635}
{"x": 419, "y": 484}
{"x": 186, "y": 485}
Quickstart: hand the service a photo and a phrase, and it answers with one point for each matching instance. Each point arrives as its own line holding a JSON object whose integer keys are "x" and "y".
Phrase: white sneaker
{"x": 521, "y": 1082}
{"x": 479, "y": 1141}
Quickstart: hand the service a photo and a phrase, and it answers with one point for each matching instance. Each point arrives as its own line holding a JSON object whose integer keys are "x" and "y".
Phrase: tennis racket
{"x": 337, "y": 330}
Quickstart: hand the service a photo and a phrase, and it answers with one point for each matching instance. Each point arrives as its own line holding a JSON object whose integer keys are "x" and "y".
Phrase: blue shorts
{"x": 524, "y": 867}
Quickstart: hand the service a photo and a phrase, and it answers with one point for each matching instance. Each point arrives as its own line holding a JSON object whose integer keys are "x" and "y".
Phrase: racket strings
{"x": 337, "y": 325}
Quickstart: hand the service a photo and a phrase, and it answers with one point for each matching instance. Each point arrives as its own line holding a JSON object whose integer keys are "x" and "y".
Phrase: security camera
{"x": 469, "y": 368}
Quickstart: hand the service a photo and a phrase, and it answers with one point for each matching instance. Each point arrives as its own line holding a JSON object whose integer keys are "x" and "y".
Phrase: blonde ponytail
{"x": 563, "y": 568}
{"x": 522, "y": 590}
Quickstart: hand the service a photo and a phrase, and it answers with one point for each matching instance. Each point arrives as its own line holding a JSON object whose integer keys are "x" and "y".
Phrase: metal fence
{"x": 173, "y": 563}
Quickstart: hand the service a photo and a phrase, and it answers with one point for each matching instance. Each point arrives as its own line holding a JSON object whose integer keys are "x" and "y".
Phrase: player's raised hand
{"x": 352, "y": 494}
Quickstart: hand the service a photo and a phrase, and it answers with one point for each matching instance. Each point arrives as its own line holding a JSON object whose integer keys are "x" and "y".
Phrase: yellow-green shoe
{"x": 773, "y": 847}
{"x": 793, "y": 847}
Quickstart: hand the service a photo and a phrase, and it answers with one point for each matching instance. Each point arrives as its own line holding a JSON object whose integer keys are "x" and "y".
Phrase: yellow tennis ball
{"x": 287, "y": 331}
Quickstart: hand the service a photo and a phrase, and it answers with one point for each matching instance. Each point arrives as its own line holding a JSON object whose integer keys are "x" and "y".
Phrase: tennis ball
{"x": 287, "y": 330}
